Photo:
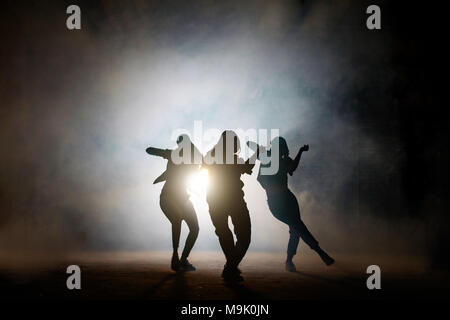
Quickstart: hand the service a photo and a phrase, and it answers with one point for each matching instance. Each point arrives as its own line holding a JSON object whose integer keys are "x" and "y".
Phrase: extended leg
{"x": 303, "y": 232}
{"x": 309, "y": 239}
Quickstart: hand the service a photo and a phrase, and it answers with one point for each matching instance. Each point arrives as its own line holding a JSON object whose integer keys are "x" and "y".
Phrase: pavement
{"x": 147, "y": 276}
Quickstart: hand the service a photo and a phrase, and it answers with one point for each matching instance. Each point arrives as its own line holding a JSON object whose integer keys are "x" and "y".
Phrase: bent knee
{"x": 247, "y": 238}
{"x": 294, "y": 233}
{"x": 244, "y": 237}
{"x": 222, "y": 231}
{"x": 194, "y": 229}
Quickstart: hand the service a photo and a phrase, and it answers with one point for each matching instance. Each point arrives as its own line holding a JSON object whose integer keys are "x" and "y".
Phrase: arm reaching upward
{"x": 293, "y": 166}
{"x": 165, "y": 153}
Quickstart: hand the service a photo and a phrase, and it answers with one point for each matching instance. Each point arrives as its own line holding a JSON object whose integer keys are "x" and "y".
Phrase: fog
{"x": 81, "y": 107}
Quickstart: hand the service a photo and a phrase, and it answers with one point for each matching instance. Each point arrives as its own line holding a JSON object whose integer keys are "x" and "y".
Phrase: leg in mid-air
{"x": 285, "y": 208}
{"x": 191, "y": 220}
{"x": 301, "y": 231}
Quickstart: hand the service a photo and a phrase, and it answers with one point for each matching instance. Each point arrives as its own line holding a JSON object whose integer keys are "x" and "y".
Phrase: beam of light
{"x": 197, "y": 184}
{"x": 196, "y": 187}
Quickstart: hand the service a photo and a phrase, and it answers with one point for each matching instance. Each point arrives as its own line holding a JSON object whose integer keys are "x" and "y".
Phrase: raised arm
{"x": 294, "y": 164}
{"x": 165, "y": 153}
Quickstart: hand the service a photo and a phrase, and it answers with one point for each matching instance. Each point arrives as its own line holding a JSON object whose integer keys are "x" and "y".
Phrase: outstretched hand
{"x": 304, "y": 148}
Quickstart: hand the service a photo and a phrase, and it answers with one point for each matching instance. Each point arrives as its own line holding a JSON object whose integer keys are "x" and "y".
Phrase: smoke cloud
{"x": 79, "y": 108}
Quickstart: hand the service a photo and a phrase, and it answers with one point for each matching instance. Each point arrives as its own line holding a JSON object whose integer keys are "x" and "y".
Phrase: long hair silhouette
{"x": 174, "y": 199}
{"x": 282, "y": 202}
{"x": 226, "y": 199}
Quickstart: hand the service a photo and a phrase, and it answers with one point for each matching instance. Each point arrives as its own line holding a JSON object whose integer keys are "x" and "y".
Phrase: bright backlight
{"x": 197, "y": 185}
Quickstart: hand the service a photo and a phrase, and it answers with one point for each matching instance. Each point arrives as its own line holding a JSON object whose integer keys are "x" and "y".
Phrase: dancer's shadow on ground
{"x": 177, "y": 290}
{"x": 241, "y": 292}
{"x": 345, "y": 281}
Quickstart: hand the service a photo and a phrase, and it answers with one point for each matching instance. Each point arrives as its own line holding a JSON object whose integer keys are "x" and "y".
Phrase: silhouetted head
{"x": 183, "y": 138}
{"x": 230, "y": 141}
{"x": 184, "y": 142}
{"x": 227, "y": 146}
{"x": 282, "y": 146}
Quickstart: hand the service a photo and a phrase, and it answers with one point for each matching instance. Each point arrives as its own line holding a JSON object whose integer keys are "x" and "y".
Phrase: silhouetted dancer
{"x": 174, "y": 199}
{"x": 283, "y": 203}
{"x": 226, "y": 199}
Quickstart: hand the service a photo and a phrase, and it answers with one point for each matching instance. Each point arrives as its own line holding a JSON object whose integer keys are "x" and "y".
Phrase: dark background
{"x": 403, "y": 111}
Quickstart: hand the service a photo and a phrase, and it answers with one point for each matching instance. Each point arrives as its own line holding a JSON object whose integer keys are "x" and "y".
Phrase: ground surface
{"x": 146, "y": 275}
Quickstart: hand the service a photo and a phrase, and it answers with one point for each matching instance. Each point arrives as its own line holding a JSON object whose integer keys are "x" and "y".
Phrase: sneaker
{"x": 231, "y": 274}
{"x": 236, "y": 269}
{"x": 186, "y": 266}
{"x": 325, "y": 257}
{"x": 290, "y": 266}
{"x": 175, "y": 263}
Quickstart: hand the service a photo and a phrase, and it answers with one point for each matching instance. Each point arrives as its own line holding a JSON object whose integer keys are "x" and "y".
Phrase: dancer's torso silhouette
{"x": 284, "y": 205}
{"x": 226, "y": 199}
